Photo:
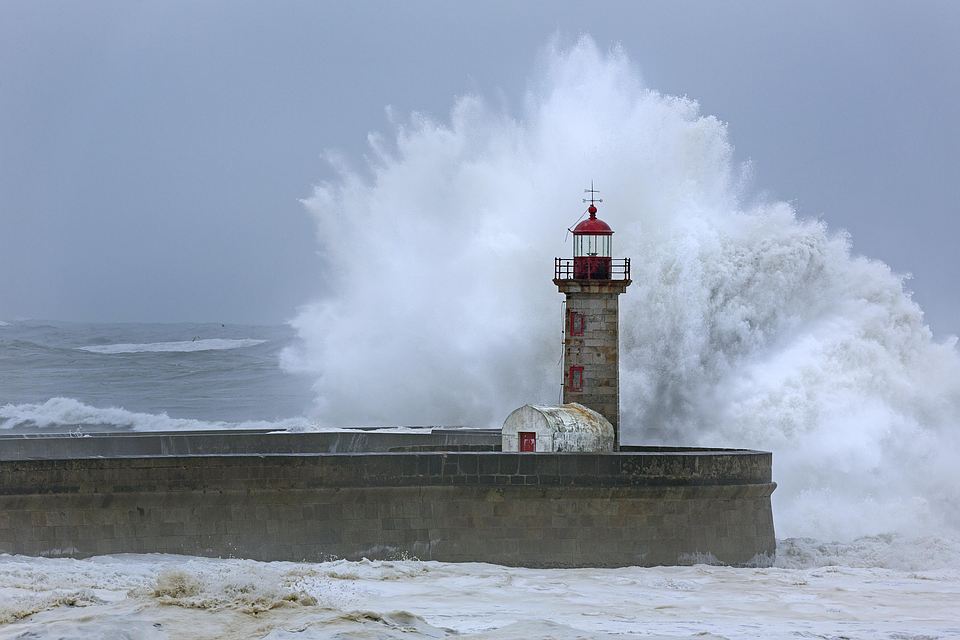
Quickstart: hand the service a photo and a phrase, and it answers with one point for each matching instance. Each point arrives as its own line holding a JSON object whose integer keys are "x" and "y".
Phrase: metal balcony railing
{"x": 591, "y": 268}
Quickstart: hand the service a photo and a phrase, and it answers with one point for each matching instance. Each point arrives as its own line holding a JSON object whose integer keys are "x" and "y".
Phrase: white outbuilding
{"x": 567, "y": 428}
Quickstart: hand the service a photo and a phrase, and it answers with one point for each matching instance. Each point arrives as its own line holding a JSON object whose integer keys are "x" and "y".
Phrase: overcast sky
{"x": 153, "y": 154}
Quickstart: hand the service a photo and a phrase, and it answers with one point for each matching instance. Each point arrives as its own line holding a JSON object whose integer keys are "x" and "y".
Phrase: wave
{"x": 245, "y": 588}
{"x": 67, "y": 412}
{"x": 888, "y": 551}
{"x": 70, "y": 413}
{"x": 746, "y": 325}
{"x": 186, "y": 346}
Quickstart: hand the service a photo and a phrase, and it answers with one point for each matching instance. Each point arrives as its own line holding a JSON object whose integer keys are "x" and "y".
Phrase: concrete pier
{"x": 290, "y": 497}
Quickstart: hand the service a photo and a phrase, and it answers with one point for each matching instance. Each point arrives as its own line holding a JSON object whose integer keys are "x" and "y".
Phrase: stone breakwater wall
{"x": 28, "y": 446}
{"x": 641, "y": 507}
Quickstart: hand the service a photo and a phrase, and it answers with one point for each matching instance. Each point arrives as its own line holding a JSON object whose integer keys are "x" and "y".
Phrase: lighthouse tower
{"x": 592, "y": 283}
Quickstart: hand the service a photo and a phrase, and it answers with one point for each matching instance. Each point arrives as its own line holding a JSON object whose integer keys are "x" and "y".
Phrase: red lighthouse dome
{"x": 593, "y": 225}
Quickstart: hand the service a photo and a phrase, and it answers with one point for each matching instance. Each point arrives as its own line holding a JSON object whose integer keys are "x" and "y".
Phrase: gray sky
{"x": 152, "y": 155}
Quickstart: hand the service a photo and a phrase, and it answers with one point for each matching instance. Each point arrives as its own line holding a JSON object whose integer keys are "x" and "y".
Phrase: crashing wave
{"x": 746, "y": 325}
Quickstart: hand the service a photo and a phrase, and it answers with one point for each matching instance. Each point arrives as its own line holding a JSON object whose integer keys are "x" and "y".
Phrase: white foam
{"x": 73, "y": 413}
{"x": 745, "y": 325}
{"x": 897, "y": 552}
{"x": 174, "y": 596}
{"x": 68, "y": 412}
{"x": 206, "y": 344}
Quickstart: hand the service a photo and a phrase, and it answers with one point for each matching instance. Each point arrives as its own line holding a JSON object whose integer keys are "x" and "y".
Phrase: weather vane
{"x": 593, "y": 192}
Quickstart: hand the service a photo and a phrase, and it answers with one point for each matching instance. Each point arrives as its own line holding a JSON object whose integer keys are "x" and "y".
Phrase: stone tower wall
{"x": 598, "y": 349}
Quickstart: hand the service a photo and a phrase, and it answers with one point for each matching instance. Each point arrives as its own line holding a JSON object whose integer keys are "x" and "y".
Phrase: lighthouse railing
{"x": 619, "y": 270}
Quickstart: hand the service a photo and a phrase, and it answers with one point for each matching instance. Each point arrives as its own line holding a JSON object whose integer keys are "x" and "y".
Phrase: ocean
{"x": 145, "y": 377}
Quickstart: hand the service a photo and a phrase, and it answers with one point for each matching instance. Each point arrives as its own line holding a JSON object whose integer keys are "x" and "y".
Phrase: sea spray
{"x": 746, "y": 325}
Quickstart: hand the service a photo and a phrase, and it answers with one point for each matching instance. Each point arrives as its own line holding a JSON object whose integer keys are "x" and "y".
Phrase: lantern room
{"x": 592, "y": 250}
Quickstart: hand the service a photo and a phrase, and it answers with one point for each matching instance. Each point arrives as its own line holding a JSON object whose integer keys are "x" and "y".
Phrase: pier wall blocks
{"x": 538, "y": 510}
{"x": 190, "y": 443}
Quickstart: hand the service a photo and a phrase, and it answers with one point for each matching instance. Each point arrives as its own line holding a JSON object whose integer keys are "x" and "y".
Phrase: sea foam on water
{"x": 155, "y": 596}
{"x": 747, "y": 325}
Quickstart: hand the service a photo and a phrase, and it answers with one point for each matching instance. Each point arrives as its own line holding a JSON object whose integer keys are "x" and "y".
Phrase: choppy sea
{"x": 147, "y": 377}
{"x": 61, "y": 376}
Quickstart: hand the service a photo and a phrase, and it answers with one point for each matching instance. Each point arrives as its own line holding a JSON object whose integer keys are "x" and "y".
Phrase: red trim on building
{"x": 577, "y": 323}
{"x": 575, "y": 378}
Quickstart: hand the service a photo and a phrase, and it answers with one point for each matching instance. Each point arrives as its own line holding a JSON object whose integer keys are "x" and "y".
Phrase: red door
{"x": 528, "y": 441}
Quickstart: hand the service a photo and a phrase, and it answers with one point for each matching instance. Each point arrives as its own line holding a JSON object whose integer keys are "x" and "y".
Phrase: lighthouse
{"x": 592, "y": 282}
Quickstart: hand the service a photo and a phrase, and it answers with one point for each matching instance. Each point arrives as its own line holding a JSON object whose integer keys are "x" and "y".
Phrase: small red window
{"x": 575, "y": 382}
{"x": 577, "y": 323}
{"x": 528, "y": 441}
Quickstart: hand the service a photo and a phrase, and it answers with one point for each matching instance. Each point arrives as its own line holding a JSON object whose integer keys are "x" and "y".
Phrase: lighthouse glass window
{"x": 591, "y": 245}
